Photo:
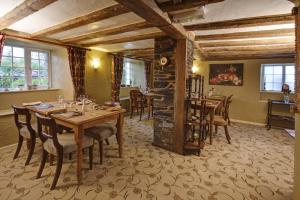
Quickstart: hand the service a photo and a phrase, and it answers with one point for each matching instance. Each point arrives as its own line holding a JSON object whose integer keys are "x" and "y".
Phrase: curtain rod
{"x": 40, "y": 40}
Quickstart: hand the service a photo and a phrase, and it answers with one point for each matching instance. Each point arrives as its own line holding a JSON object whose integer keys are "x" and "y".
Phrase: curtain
{"x": 148, "y": 65}
{"x": 116, "y": 77}
{"x": 77, "y": 58}
{"x": 2, "y": 39}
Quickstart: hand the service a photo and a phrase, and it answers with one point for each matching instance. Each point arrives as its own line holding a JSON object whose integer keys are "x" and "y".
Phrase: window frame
{"x": 262, "y": 75}
{"x": 27, "y": 66}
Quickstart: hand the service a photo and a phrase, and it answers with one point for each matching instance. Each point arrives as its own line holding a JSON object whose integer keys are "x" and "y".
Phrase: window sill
{"x": 274, "y": 92}
{"x": 25, "y": 91}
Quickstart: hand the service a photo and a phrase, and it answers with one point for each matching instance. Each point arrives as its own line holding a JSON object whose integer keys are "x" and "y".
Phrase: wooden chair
{"x": 26, "y": 131}
{"x": 100, "y": 133}
{"x": 57, "y": 145}
{"x": 223, "y": 120}
{"x": 137, "y": 101}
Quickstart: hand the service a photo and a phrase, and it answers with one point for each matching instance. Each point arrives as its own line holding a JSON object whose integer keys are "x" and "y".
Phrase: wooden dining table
{"x": 149, "y": 97}
{"x": 79, "y": 123}
{"x": 213, "y": 106}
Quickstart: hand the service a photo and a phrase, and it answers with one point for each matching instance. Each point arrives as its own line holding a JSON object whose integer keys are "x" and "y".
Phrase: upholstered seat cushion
{"x": 67, "y": 141}
{"x": 25, "y": 132}
{"x": 220, "y": 121}
{"x": 101, "y": 132}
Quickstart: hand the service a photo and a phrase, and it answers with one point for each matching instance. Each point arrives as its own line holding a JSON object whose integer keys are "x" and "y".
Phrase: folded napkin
{"x": 32, "y": 103}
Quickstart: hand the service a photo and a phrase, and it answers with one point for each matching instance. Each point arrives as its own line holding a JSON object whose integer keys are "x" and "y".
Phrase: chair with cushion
{"x": 58, "y": 145}
{"x": 100, "y": 133}
{"x": 137, "y": 101}
{"x": 223, "y": 120}
{"x": 26, "y": 131}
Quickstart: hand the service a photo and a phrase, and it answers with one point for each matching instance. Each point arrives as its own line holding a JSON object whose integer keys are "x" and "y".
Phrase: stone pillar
{"x": 170, "y": 87}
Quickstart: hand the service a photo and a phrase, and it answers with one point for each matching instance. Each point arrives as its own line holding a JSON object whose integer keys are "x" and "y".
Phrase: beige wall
{"x": 249, "y": 104}
{"x": 98, "y": 81}
{"x": 297, "y": 160}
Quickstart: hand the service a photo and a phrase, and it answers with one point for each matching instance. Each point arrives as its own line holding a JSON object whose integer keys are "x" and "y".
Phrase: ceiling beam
{"x": 169, "y": 6}
{"x": 108, "y": 32}
{"x": 95, "y": 16}
{"x": 274, "y": 41}
{"x": 148, "y": 10}
{"x": 250, "y": 34}
{"x": 134, "y": 50}
{"x": 23, "y": 10}
{"x": 243, "y": 22}
{"x": 126, "y": 39}
{"x": 252, "y": 56}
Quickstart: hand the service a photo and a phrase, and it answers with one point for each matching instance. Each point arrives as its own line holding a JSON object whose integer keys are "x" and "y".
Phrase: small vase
{"x": 286, "y": 98}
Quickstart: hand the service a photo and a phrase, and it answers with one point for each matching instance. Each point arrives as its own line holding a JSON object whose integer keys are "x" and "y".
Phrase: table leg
{"x": 120, "y": 133}
{"x": 211, "y": 124}
{"x": 78, "y": 133}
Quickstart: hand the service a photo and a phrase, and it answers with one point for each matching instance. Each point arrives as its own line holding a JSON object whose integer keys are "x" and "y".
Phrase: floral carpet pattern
{"x": 259, "y": 164}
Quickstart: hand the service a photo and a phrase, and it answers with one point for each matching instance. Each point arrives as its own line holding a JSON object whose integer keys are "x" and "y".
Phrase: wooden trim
{"x": 243, "y": 22}
{"x": 148, "y": 10}
{"x": 251, "y": 34}
{"x": 275, "y": 41}
{"x": 283, "y": 47}
{"x": 247, "y": 57}
{"x": 108, "y": 32}
{"x": 95, "y": 16}
{"x": 126, "y": 39}
{"x": 169, "y": 6}
{"x": 23, "y": 10}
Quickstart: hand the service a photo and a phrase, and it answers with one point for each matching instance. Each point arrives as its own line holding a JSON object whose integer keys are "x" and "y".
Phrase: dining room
{"x": 150, "y": 99}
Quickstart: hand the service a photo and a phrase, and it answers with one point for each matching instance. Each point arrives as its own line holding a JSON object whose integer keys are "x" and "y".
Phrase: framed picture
{"x": 226, "y": 74}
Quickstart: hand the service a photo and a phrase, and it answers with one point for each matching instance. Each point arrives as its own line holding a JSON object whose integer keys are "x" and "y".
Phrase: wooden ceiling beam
{"x": 23, "y": 10}
{"x": 250, "y": 56}
{"x": 111, "y": 31}
{"x": 169, "y": 6}
{"x": 243, "y": 22}
{"x": 95, "y": 16}
{"x": 126, "y": 39}
{"x": 250, "y": 48}
{"x": 149, "y": 10}
{"x": 134, "y": 50}
{"x": 275, "y": 41}
{"x": 250, "y": 34}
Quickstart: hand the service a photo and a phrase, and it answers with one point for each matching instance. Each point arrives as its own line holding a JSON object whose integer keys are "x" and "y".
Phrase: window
{"x": 134, "y": 73}
{"x": 22, "y": 67}
{"x": 275, "y": 75}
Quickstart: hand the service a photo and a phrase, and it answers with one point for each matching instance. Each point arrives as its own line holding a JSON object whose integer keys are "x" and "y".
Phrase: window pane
{"x": 277, "y": 86}
{"x": 35, "y": 73}
{"x": 268, "y": 86}
{"x": 43, "y": 64}
{"x": 6, "y": 61}
{"x": 18, "y": 52}
{"x": 268, "y": 70}
{"x": 35, "y": 81}
{"x": 268, "y": 78}
{"x": 18, "y": 62}
{"x": 34, "y": 64}
{"x": 290, "y": 69}
{"x": 18, "y": 81}
{"x": 34, "y": 55}
{"x": 7, "y": 51}
{"x": 44, "y": 81}
{"x": 5, "y": 82}
{"x": 5, "y": 71}
{"x": 292, "y": 85}
{"x": 290, "y": 78}
{"x": 43, "y": 56}
{"x": 277, "y": 69}
{"x": 18, "y": 72}
{"x": 43, "y": 73}
{"x": 277, "y": 79}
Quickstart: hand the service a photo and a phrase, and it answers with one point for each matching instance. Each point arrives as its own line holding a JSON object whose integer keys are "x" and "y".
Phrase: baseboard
{"x": 247, "y": 122}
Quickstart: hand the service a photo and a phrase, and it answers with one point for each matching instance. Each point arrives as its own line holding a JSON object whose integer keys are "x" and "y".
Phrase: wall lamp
{"x": 195, "y": 69}
{"x": 95, "y": 63}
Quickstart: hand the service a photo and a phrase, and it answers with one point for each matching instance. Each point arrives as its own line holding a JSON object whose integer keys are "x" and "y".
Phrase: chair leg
{"x": 31, "y": 150}
{"x": 91, "y": 156}
{"x": 70, "y": 156}
{"x": 42, "y": 165}
{"x": 227, "y": 135}
{"x": 107, "y": 142}
{"x": 58, "y": 169}
{"x": 101, "y": 151}
{"x": 131, "y": 112}
{"x": 20, "y": 142}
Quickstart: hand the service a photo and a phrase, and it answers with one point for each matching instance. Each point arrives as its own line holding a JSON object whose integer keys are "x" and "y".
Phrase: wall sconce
{"x": 195, "y": 69}
{"x": 95, "y": 63}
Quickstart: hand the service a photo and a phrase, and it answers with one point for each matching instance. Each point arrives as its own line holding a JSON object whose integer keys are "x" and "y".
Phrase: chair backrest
{"x": 23, "y": 111}
{"x": 227, "y": 104}
{"x": 136, "y": 96}
{"x": 47, "y": 129}
{"x": 197, "y": 108}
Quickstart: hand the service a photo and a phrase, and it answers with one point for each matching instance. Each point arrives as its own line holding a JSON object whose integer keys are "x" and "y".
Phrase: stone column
{"x": 169, "y": 86}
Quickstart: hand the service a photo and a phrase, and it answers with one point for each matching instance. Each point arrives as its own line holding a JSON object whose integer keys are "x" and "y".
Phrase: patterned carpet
{"x": 257, "y": 165}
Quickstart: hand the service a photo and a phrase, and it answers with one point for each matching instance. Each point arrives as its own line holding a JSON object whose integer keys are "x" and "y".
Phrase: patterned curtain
{"x": 77, "y": 58}
{"x": 2, "y": 39}
{"x": 116, "y": 77}
{"x": 148, "y": 65}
